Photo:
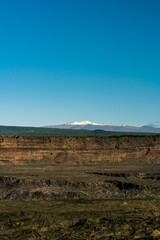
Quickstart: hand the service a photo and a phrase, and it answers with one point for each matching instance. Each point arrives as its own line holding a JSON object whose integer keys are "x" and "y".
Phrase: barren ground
{"x": 108, "y": 201}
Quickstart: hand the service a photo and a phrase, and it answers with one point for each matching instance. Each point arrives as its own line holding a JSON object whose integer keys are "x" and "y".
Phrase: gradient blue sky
{"x": 70, "y": 60}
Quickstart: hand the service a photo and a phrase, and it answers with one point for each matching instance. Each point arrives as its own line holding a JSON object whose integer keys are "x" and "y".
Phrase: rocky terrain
{"x": 79, "y": 150}
{"x": 84, "y": 188}
{"x": 109, "y": 201}
{"x": 79, "y": 182}
{"x": 81, "y": 219}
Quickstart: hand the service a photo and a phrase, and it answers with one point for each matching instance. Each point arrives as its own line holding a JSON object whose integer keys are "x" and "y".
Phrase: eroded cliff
{"x": 78, "y": 150}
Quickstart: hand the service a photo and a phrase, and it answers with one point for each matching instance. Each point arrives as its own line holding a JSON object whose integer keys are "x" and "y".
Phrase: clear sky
{"x": 74, "y": 60}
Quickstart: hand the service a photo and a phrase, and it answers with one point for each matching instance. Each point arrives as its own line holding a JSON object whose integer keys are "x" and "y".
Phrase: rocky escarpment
{"x": 79, "y": 150}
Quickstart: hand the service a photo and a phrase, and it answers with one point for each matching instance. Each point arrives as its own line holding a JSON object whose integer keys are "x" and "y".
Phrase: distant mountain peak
{"x": 96, "y": 126}
{"x": 82, "y": 123}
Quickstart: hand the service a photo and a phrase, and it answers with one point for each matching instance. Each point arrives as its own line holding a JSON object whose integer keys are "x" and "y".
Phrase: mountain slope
{"x": 95, "y": 126}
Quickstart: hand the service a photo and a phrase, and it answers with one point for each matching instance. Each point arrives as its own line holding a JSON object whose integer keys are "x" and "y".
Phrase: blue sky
{"x": 70, "y": 60}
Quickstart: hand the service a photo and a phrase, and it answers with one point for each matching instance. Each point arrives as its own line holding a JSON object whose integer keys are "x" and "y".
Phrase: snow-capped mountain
{"x": 84, "y": 123}
{"x": 96, "y": 126}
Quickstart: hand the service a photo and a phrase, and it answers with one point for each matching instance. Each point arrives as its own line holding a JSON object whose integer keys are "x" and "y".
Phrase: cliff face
{"x": 78, "y": 150}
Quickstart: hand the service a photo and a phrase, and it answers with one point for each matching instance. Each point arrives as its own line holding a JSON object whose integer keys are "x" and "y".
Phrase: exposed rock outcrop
{"x": 78, "y": 150}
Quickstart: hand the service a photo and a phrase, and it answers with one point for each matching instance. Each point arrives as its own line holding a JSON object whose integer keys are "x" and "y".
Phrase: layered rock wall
{"x": 78, "y": 150}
